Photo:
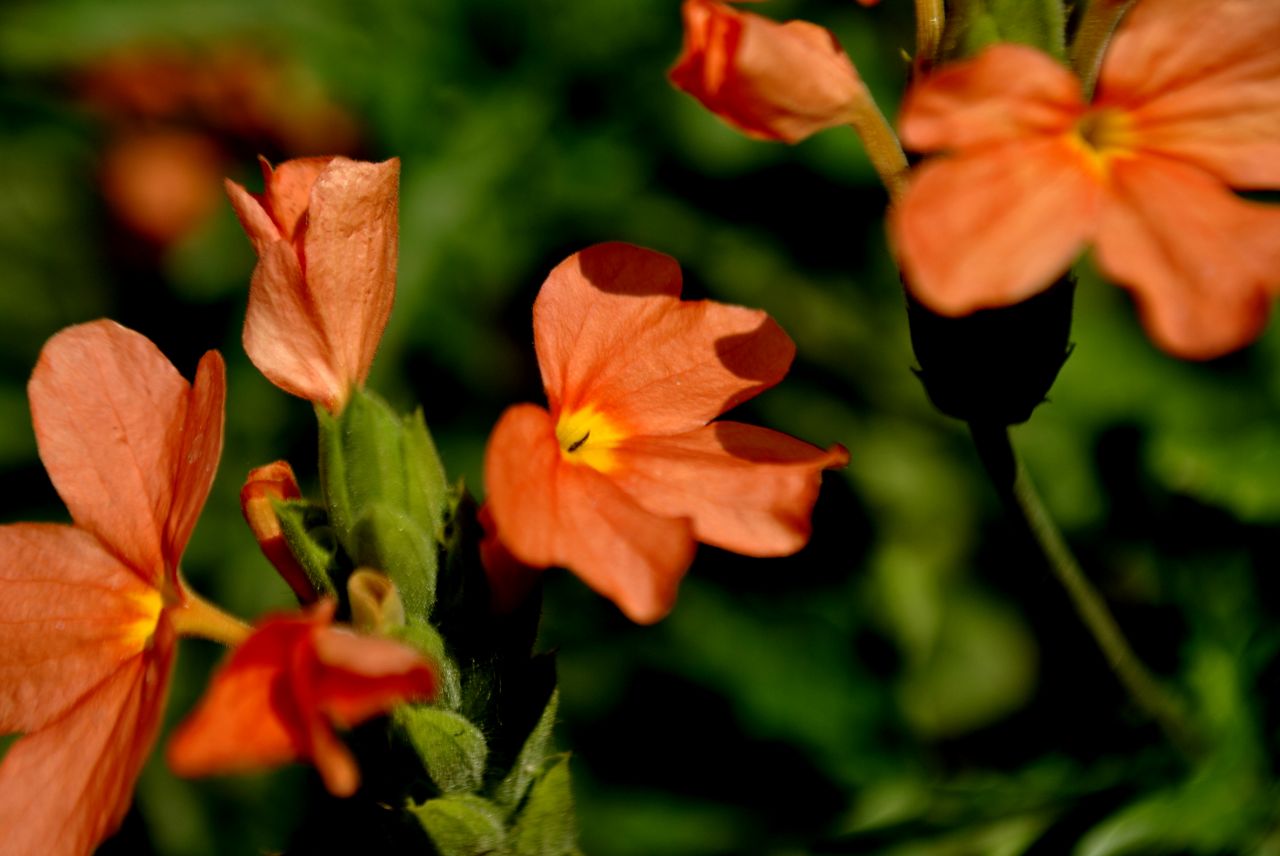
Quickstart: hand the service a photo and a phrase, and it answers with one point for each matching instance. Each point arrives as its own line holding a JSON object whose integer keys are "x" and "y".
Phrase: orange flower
{"x": 326, "y": 234}
{"x": 89, "y": 612}
{"x": 282, "y": 691}
{"x": 1187, "y": 107}
{"x": 624, "y": 473}
{"x": 264, "y": 486}
{"x": 771, "y": 81}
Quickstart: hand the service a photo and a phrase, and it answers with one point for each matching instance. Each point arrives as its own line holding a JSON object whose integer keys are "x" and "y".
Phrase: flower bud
{"x": 265, "y": 486}
{"x": 376, "y": 607}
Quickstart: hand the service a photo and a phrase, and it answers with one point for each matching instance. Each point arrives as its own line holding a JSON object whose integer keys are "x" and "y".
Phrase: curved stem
{"x": 1099, "y": 22}
{"x": 1019, "y": 494}
{"x": 881, "y": 143}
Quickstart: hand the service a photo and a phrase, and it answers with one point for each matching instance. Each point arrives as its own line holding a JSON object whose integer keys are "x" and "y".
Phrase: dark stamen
{"x": 579, "y": 443}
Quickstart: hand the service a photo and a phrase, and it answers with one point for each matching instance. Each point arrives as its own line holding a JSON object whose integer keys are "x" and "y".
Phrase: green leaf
{"x": 462, "y": 825}
{"x": 547, "y": 825}
{"x": 452, "y": 749}
{"x": 974, "y": 24}
{"x": 306, "y": 530}
{"x": 530, "y": 760}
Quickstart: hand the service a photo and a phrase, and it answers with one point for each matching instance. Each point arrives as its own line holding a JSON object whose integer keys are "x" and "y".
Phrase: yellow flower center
{"x": 1105, "y": 134}
{"x": 587, "y": 436}
{"x": 137, "y": 633}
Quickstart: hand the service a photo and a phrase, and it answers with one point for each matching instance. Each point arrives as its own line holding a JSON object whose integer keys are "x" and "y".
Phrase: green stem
{"x": 930, "y": 19}
{"x": 1097, "y": 25}
{"x": 881, "y": 143}
{"x": 1019, "y": 494}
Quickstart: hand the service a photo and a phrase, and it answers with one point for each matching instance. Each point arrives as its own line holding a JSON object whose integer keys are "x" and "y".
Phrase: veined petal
{"x": 109, "y": 412}
{"x": 612, "y": 334}
{"x": 1201, "y": 79}
{"x": 746, "y": 489}
{"x": 552, "y": 512}
{"x": 283, "y": 334}
{"x": 352, "y": 240}
{"x": 66, "y": 786}
{"x": 1007, "y": 92}
{"x": 198, "y": 457}
{"x": 70, "y": 615}
{"x": 255, "y": 219}
{"x": 286, "y": 194}
{"x": 1201, "y": 262}
{"x": 994, "y": 226}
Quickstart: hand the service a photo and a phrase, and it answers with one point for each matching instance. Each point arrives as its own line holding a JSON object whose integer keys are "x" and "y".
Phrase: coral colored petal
{"x": 1201, "y": 262}
{"x": 510, "y": 580}
{"x": 67, "y": 786}
{"x": 611, "y": 333}
{"x": 352, "y": 239}
{"x": 255, "y": 219}
{"x": 287, "y": 192}
{"x": 283, "y": 335}
{"x": 198, "y": 458}
{"x": 109, "y": 410}
{"x": 551, "y": 512}
{"x": 1006, "y": 92}
{"x": 995, "y": 226}
{"x": 1202, "y": 79}
{"x": 70, "y": 615}
{"x": 364, "y": 676}
{"x": 746, "y": 489}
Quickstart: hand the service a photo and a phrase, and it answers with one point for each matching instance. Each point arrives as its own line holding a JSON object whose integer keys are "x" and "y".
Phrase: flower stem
{"x": 930, "y": 19}
{"x": 1015, "y": 488}
{"x": 881, "y": 143}
{"x": 1097, "y": 25}
{"x": 197, "y": 617}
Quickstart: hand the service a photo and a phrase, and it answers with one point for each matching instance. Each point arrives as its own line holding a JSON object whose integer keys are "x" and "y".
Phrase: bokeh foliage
{"x": 913, "y": 682}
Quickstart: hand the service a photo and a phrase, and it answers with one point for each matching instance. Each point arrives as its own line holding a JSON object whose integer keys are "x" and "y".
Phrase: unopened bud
{"x": 265, "y": 486}
{"x": 376, "y": 607}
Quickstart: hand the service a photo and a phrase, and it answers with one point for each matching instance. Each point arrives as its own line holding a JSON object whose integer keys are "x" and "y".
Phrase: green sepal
{"x": 452, "y": 749}
{"x": 462, "y": 825}
{"x": 428, "y": 640}
{"x": 531, "y": 758}
{"x": 391, "y": 541}
{"x": 546, "y": 825}
{"x": 974, "y": 24}
{"x": 306, "y": 530}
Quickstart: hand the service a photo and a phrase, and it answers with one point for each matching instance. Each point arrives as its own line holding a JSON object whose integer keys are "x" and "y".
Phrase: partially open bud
{"x": 376, "y": 607}
{"x": 265, "y": 486}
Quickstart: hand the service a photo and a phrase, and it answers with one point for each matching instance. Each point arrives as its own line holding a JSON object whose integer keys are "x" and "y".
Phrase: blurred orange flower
{"x": 771, "y": 81}
{"x": 283, "y": 690}
{"x": 623, "y": 474}
{"x": 89, "y": 612}
{"x": 326, "y": 232}
{"x": 1187, "y": 107}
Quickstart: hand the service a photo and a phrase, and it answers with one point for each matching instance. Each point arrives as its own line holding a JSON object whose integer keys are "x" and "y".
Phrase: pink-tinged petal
{"x": 611, "y": 333}
{"x": 552, "y": 512}
{"x": 772, "y": 81}
{"x": 70, "y": 615}
{"x": 283, "y": 335}
{"x": 287, "y": 191}
{"x": 1202, "y": 262}
{"x": 255, "y": 219}
{"x": 1202, "y": 81}
{"x": 995, "y": 226}
{"x": 744, "y": 488}
{"x": 352, "y": 240}
{"x": 1007, "y": 92}
{"x": 199, "y": 454}
{"x": 109, "y": 411}
{"x": 67, "y": 786}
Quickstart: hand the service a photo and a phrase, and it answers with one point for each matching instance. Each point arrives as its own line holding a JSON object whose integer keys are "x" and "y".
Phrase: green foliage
{"x": 535, "y": 751}
{"x": 974, "y": 24}
{"x": 462, "y": 825}
{"x": 546, "y": 826}
{"x": 306, "y": 530}
{"x": 453, "y": 750}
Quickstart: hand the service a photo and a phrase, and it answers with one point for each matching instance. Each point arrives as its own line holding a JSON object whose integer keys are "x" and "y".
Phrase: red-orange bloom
{"x": 1187, "y": 107}
{"x": 284, "y": 689}
{"x": 620, "y": 478}
{"x": 771, "y": 81}
{"x": 88, "y": 611}
{"x": 326, "y": 232}
{"x": 265, "y": 486}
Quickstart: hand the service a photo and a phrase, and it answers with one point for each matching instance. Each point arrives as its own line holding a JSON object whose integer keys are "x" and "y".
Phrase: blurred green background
{"x": 912, "y": 683}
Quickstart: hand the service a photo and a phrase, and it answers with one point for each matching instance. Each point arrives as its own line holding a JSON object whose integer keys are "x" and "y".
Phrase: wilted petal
{"x": 612, "y": 333}
{"x": 1201, "y": 262}
{"x": 995, "y": 225}
{"x": 552, "y": 512}
{"x": 744, "y": 488}
{"x": 772, "y": 81}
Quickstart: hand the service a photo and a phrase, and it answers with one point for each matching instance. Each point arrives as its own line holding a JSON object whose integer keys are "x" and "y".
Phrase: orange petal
{"x": 264, "y": 486}
{"x": 198, "y": 457}
{"x": 255, "y": 219}
{"x": 1202, "y": 81}
{"x": 67, "y": 786}
{"x": 744, "y": 488}
{"x": 1201, "y": 261}
{"x": 1006, "y": 92}
{"x": 772, "y": 81}
{"x": 552, "y": 512}
{"x": 70, "y": 615}
{"x": 363, "y": 676}
{"x": 352, "y": 240}
{"x": 287, "y": 191}
{"x": 109, "y": 412}
{"x": 994, "y": 226}
{"x": 611, "y": 333}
